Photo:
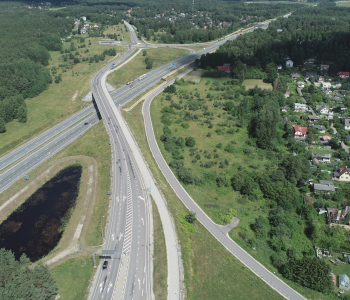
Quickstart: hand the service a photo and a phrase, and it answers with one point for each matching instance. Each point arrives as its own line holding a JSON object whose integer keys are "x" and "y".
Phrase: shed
{"x": 344, "y": 282}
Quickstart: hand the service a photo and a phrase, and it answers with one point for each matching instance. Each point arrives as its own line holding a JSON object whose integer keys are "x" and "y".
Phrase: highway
{"x": 128, "y": 230}
{"x": 218, "y": 231}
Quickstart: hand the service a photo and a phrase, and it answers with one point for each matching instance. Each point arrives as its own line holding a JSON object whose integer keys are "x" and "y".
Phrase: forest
{"x": 27, "y": 38}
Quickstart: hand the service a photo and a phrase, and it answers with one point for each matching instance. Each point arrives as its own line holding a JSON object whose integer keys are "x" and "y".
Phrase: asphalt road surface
{"x": 218, "y": 231}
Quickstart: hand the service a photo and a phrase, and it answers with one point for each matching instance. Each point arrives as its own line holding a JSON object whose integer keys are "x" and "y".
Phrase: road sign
{"x": 148, "y": 188}
{"x": 26, "y": 176}
{"x": 108, "y": 252}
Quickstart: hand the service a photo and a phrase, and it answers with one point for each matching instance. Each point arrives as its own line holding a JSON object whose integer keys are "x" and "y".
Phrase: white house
{"x": 84, "y": 18}
{"x": 346, "y": 122}
{"x": 300, "y": 107}
{"x": 289, "y": 64}
{"x": 324, "y": 109}
{"x": 301, "y": 84}
{"x": 326, "y": 84}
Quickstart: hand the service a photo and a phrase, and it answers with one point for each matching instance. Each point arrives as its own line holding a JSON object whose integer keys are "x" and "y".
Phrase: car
{"x": 105, "y": 264}
{"x": 86, "y": 123}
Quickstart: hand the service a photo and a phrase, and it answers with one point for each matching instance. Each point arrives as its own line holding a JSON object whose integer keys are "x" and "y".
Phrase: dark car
{"x": 86, "y": 123}
{"x": 105, "y": 264}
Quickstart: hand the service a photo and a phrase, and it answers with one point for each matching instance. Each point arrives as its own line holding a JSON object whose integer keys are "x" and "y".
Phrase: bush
{"x": 185, "y": 125}
{"x": 191, "y": 217}
{"x": 190, "y": 141}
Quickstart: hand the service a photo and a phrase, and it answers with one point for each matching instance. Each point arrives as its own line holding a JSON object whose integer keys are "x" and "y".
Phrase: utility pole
{"x": 192, "y": 11}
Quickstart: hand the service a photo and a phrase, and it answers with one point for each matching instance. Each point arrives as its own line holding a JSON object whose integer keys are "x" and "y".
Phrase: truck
{"x": 142, "y": 76}
{"x": 130, "y": 82}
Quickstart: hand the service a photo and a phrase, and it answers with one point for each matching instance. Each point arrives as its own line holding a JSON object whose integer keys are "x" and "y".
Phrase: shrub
{"x": 185, "y": 125}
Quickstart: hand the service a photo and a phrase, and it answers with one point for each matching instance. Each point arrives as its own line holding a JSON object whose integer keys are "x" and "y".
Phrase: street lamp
{"x": 101, "y": 226}
{"x": 148, "y": 250}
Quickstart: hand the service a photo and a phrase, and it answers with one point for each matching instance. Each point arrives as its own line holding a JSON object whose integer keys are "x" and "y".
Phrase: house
{"x": 344, "y": 282}
{"x": 311, "y": 60}
{"x": 284, "y": 109}
{"x": 314, "y": 118}
{"x": 342, "y": 173}
{"x": 321, "y": 157}
{"x": 279, "y": 67}
{"x": 333, "y": 215}
{"x": 286, "y": 94}
{"x": 310, "y": 74}
{"x": 300, "y": 132}
{"x": 326, "y": 138}
{"x": 301, "y": 84}
{"x": 226, "y": 68}
{"x": 320, "y": 79}
{"x": 342, "y": 107}
{"x": 321, "y": 128}
{"x": 289, "y": 64}
{"x": 337, "y": 98}
{"x": 324, "y": 109}
{"x": 84, "y": 18}
{"x": 326, "y": 85}
{"x": 95, "y": 26}
{"x": 294, "y": 76}
{"x": 299, "y": 107}
{"x": 279, "y": 30}
{"x": 343, "y": 75}
{"x": 346, "y": 123}
{"x": 324, "y": 186}
{"x": 83, "y": 30}
{"x": 324, "y": 67}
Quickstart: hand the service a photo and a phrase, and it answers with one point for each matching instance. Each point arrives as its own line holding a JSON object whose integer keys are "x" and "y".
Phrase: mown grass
{"x": 251, "y": 83}
{"x": 211, "y": 272}
{"x": 160, "y": 268}
{"x": 137, "y": 66}
{"x": 73, "y": 276}
{"x": 60, "y": 100}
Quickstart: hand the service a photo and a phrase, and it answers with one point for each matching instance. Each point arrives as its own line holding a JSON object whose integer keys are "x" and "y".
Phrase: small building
{"x": 300, "y": 132}
{"x": 343, "y": 75}
{"x": 346, "y": 123}
{"x": 324, "y": 109}
{"x": 284, "y": 109}
{"x": 279, "y": 30}
{"x": 311, "y": 60}
{"x": 326, "y": 85}
{"x": 337, "y": 98}
{"x": 333, "y": 215}
{"x": 313, "y": 118}
{"x": 320, "y": 79}
{"x": 84, "y": 18}
{"x": 287, "y": 94}
{"x": 320, "y": 128}
{"x": 326, "y": 138}
{"x": 325, "y": 186}
{"x": 279, "y": 67}
{"x": 324, "y": 67}
{"x": 342, "y": 173}
{"x": 344, "y": 282}
{"x": 226, "y": 68}
{"x": 300, "y": 107}
{"x": 342, "y": 107}
{"x": 300, "y": 84}
{"x": 294, "y": 76}
{"x": 289, "y": 64}
{"x": 321, "y": 157}
{"x": 310, "y": 74}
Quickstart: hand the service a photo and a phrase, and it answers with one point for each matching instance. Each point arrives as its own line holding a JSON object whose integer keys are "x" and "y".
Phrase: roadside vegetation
{"x": 210, "y": 270}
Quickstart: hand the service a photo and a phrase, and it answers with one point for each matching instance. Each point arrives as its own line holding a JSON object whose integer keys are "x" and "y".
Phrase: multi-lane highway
{"x": 127, "y": 272}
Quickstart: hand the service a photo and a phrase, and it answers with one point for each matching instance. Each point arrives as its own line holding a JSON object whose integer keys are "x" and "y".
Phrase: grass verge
{"x": 160, "y": 268}
{"x": 137, "y": 66}
{"x": 210, "y": 270}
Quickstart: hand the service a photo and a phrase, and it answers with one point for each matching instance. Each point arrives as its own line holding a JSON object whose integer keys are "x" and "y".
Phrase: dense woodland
{"x": 18, "y": 281}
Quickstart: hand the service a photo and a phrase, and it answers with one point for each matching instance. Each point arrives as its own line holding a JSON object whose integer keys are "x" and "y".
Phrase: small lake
{"x": 36, "y": 227}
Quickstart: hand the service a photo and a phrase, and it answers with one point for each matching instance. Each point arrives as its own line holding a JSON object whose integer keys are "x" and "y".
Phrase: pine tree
{"x": 2, "y": 125}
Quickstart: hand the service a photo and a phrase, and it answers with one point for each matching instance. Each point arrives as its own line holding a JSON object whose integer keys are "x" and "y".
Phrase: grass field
{"x": 73, "y": 276}
{"x": 194, "y": 76}
{"x": 251, "y": 83}
{"x": 221, "y": 203}
{"x": 137, "y": 66}
{"x": 211, "y": 272}
{"x": 60, "y": 100}
{"x": 343, "y": 4}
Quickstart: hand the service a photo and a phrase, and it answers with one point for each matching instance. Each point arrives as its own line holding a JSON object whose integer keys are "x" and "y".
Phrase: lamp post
{"x": 148, "y": 250}
{"x": 101, "y": 226}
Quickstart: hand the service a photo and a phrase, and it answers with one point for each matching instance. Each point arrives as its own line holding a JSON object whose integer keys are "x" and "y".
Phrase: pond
{"x": 36, "y": 227}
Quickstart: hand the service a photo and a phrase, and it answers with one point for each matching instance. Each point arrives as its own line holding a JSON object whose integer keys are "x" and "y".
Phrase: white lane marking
{"x": 139, "y": 283}
{"x": 143, "y": 222}
{"x": 141, "y": 198}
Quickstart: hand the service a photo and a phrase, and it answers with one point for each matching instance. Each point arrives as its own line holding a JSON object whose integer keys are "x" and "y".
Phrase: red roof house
{"x": 224, "y": 68}
{"x": 343, "y": 74}
{"x": 300, "y": 131}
